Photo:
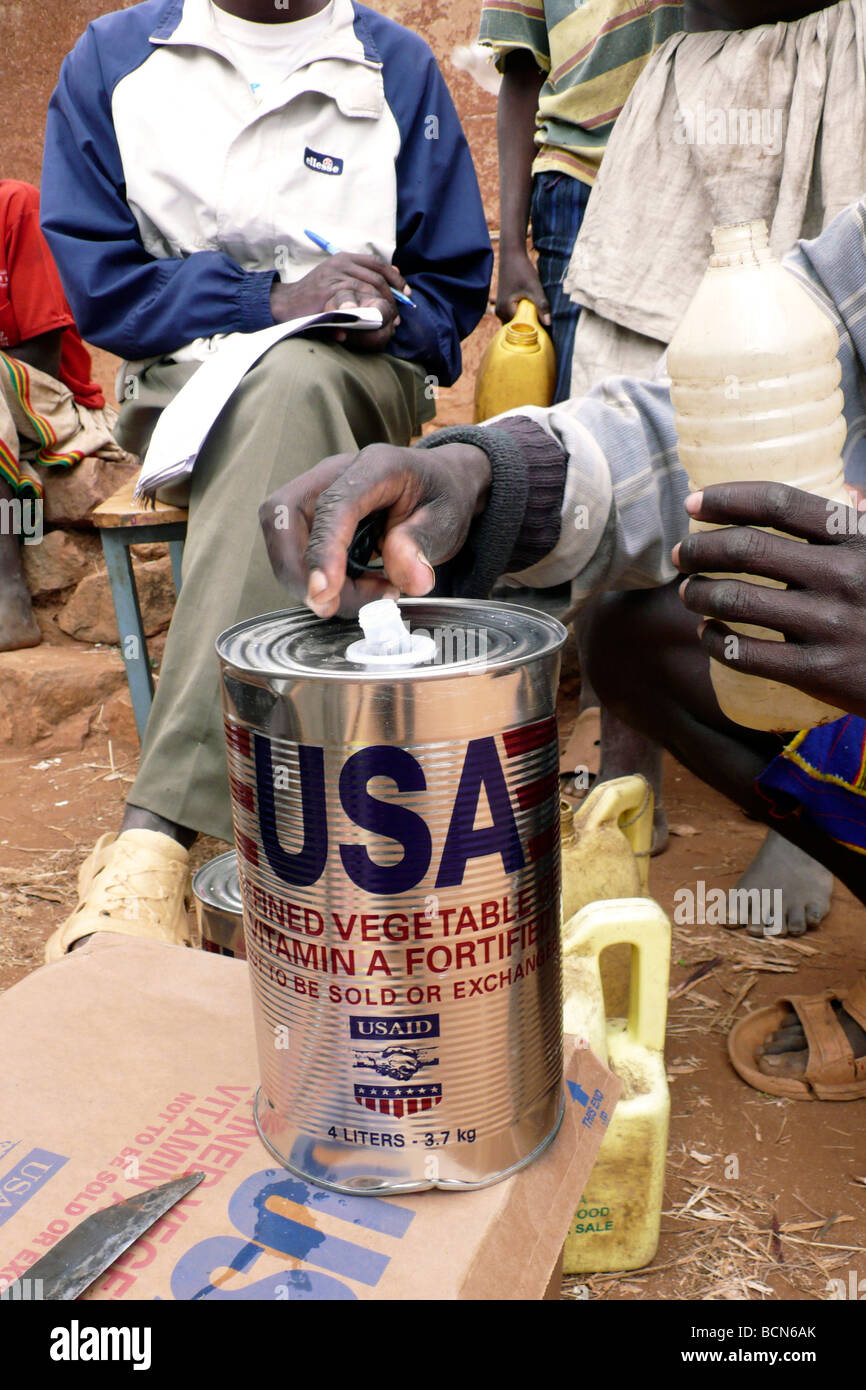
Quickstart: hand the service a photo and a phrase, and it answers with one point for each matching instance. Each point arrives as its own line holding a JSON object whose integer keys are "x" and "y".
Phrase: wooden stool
{"x": 123, "y": 522}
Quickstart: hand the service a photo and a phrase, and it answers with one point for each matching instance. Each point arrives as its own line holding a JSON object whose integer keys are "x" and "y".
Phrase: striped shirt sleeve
{"x": 622, "y": 509}
{"x": 832, "y": 268}
{"x": 510, "y": 24}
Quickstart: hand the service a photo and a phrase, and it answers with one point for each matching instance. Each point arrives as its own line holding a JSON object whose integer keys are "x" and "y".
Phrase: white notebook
{"x": 184, "y": 425}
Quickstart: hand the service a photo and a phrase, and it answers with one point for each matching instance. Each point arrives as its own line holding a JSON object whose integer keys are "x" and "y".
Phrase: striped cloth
{"x": 593, "y": 52}
{"x": 721, "y": 127}
{"x": 42, "y": 425}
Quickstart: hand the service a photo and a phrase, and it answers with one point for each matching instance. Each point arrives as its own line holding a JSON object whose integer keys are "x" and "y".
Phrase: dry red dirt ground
{"x": 765, "y": 1199}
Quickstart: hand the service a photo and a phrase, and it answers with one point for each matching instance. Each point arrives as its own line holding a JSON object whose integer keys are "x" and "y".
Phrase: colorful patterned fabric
{"x": 42, "y": 424}
{"x": 593, "y": 52}
{"x": 822, "y": 775}
{"x": 31, "y": 295}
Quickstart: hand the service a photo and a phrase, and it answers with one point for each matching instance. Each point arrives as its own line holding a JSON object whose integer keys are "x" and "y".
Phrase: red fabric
{"x": 31, "y": 295}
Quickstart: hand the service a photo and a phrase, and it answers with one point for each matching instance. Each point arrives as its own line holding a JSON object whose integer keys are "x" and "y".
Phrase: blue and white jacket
{"x": 171, "y": 199}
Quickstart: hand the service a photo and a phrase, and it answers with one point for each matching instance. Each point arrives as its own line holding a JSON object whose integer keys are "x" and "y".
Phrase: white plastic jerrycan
{"x": 755, "y": 384}
{"x": 616, "y": 1224}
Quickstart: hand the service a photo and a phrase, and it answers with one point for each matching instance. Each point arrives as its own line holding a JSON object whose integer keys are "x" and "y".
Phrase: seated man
{"x": 502, "y": 498}
{"x": 176, "y": 220}
{"x": 51, "y": 412}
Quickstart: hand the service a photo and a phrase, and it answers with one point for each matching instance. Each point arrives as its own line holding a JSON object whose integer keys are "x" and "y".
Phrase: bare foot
{"x": 789, "y": 881}
{"x": 786, "y": 1053}
{"x": 18, "y": 627}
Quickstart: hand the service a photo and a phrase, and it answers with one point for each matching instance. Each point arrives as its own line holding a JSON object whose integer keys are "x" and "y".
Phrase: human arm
{"x": 822, "y": 612}
{"x": 515, "y": 124}
{"x": 123, "y": 299}
{"x": 138, "y": 305}
{"x": 431, "y": 499}
{"x": 591, "y": 494}
{"x": 442, "y": 242}
{"x": 610, "y": 459}
{"x": 34, "y": 293}
{"x": 518, "y": 36}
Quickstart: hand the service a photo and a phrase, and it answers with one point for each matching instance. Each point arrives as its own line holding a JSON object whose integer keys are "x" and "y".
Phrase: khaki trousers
{"x": 303, "y": 401}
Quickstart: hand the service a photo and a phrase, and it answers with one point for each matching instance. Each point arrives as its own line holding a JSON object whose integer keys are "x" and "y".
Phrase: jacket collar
{"x": 189, "y": 23}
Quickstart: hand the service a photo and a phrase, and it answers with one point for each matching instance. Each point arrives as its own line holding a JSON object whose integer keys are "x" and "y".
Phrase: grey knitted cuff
{"x": 521, "y": 521}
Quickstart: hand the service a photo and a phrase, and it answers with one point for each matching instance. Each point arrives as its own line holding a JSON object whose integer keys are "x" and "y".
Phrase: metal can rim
{"x": 223, "y": 867}
{"x": 556, "y": 635}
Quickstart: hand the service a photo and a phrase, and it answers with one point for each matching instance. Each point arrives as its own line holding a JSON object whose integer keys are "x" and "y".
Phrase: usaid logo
{"x": 322, "y": 163}
{"x": 395, "y": 1026}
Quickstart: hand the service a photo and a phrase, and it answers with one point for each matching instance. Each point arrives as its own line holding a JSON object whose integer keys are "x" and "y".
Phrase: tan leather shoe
{"x": 133, "y": 884}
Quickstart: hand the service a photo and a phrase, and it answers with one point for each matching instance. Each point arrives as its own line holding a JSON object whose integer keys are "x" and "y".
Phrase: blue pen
{"x": 331, "y": 250}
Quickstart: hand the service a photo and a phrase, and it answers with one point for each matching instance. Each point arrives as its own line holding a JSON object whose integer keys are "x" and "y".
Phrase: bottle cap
{"x": 387, "y": 639}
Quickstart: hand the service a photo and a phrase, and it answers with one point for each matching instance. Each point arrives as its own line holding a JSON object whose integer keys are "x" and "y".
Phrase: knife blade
{"x": 97, "y": 1241}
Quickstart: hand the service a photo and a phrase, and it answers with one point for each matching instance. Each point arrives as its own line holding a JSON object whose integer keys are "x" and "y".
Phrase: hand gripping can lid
{"x": 396, "y": 814}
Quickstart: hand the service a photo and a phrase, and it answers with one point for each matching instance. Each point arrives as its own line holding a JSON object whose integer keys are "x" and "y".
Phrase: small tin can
{"x": 218, "y": 906}
{"x": 396, "y": 818}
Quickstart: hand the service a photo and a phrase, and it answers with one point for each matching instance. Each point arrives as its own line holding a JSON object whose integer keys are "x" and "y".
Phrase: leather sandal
{"x": 832, "y": 1071}
{"x": 133, "y": 884}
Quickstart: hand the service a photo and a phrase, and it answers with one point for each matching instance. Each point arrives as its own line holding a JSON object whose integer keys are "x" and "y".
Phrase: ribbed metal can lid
{"x": 469, "y": 636}
{"x": 216, "y": 884}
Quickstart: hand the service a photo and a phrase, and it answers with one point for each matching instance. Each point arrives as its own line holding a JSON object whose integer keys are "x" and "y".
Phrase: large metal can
{"x": 397, "y": 829}
{"x": 218, "y": 908}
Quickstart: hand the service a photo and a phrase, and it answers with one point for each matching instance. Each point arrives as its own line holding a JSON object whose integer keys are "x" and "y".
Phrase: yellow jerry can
{"x": 616, "y": 964}
{"x": 518, "y": 367}
{"x": 606, "y": 854}
{"x": 616, "y": 1225}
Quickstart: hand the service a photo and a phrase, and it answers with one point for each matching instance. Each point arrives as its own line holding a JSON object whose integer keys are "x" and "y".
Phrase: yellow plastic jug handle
{"x": 628, "y": 803}
{"x": 640, "y": 923}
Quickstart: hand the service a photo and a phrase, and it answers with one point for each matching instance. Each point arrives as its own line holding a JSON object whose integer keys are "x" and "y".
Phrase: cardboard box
{"x": 129, "y": 1063}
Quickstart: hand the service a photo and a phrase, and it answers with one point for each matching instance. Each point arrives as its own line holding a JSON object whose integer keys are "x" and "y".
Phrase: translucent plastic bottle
{"x": 755, "y": 384}
{"x": 518, "y": 367}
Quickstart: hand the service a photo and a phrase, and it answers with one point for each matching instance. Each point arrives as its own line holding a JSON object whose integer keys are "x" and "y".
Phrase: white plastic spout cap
{"x": 387, "y": 639}
{"x": 385, "y": 633}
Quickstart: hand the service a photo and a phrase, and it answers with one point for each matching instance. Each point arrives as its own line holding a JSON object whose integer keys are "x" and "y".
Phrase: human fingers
{"x": 287, "y": 515}
{"x": 787, "y": 662}
{"x": 379, "y": 478}
{"x": 796, "y": 615}
{"x": 745, "y": 550}
{"x": 430, "y": 496}
{"x": 775, "y": 505}
{"x": 389, "y": 272}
